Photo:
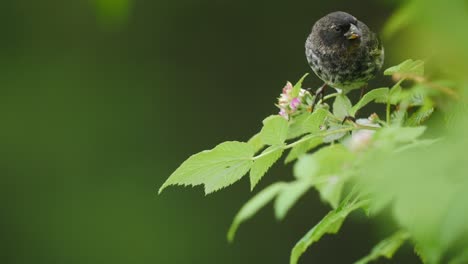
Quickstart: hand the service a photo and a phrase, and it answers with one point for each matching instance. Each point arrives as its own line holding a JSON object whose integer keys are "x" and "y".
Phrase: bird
{"x": 343, "y": 52}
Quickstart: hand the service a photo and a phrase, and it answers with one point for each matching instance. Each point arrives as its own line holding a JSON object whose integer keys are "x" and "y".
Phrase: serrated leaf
{"x": 420, "y": 116}
{"x": 341, "y": 106}
{"x": 330, "y": 224}
{"x": 288, "y": 196}
{"x": 297, "y": 87}
{"x": 307, "y": 123}
{"x": 302, "y": 148}
{"x": 375, "y": 94}
{"x": 296, "y": 125}
{"x": 274, "y": 130}
{"x": 408, "y": 67}
{"x": 385, "y": 248}
{"x": 252, "y": 206}
{"x": 256, "y": 142}
{"x": 215, "y": 169}
{"x": 261, "y": 165}
{"x": 315, "y": 120}
{"x": 398, "y": 116}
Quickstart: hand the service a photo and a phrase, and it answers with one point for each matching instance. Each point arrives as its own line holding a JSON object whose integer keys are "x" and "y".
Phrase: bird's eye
{"x": 336, "y": 28}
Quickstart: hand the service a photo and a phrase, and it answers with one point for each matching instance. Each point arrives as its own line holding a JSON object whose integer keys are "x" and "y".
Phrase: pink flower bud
{"x": 284, "y": 114}
{"x": 295, "y": 103}
{"x": 287, "y": 88}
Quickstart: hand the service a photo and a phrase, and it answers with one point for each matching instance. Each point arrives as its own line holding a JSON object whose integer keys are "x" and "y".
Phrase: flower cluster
{"x": 289, "y": 104}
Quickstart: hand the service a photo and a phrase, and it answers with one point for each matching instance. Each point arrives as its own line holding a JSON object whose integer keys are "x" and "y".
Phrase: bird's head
{"x": 339, "y": 28}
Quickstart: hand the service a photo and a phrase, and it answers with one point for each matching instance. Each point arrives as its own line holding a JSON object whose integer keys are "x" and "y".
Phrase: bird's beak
{"x": 353, "y": 32}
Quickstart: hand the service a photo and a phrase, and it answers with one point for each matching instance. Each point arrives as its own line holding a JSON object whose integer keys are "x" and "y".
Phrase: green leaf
{"x": 372, "y": 95}
{"x": 397, "y": 134}
{"x": 334, "y": 133}
{"x": 385, "y": 248}
{"x": 420, "y": 116}
{"x": 261, "y": 164}
{"x": 256, "y": 142}
{"x": 296, "y": 125}
{"x": 326, "y": 168}
{"x": 408, "y": 67}
{"x": 330, "y": 224}
{"x": 394, "y": 96}
{"x": 215, "y": 169}
{"x": 341, "y": 106}
{"x": 307, "y": 123}
{"x": 301, "y": 148}
{"x": 288, "y": 196}
{"x": 330, "y": 189}
{"x": 297, "y": 87}
{"x": 274, "y": 131}
{"x": 253, "y": 205}
{"x": 329, "y": 160}
{"x": 315, "y": 120}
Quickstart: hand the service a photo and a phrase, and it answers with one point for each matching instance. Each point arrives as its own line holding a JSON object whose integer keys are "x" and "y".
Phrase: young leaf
{"x": 385, "y": 248}
{"x": 252, "y": 206}
{"x": 372, "y": 95}
{"x": 256, "y": 142}
{"x": 301, "y": 148}
{"x": 408, "y": 67}
{"x": 341, "y": 106}
{"x": 261, "y": 165}
{"x": 297, "y": 87}
{"x": 288, "y": 196}
{"x": 330, "y": 224}
{"x": 215, "y": 169}
{"x": 274, "y": 131}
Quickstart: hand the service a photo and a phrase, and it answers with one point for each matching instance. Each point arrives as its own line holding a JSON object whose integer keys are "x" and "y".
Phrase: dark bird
{"x": 343, "y": 52}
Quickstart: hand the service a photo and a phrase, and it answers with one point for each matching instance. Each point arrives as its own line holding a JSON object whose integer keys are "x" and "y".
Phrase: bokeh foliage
{"x": 100, "y": 103}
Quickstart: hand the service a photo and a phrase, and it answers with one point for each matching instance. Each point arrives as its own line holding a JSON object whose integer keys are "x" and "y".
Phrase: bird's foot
{"x": 319, "y": 93}
{"x": 348, "y": 118}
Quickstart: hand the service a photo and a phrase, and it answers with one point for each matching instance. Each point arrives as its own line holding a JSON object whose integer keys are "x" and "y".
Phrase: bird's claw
{"x": 348, "y": 118}
{"x": 319, "y": 93}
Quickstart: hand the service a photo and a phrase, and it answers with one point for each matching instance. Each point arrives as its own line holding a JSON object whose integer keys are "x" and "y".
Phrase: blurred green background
{"x": 101, "y": 100}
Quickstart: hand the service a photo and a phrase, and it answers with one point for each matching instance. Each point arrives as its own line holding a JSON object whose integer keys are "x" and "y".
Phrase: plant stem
{"x": 328, "y": 97}
{"x": 308, "y": 137}
{"x": 388, "y": 112}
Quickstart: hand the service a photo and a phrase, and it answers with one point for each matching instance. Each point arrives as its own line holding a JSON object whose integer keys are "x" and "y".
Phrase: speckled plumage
{"x": 341, "y": 61}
